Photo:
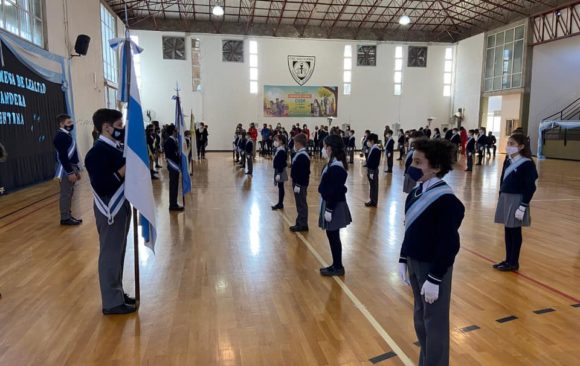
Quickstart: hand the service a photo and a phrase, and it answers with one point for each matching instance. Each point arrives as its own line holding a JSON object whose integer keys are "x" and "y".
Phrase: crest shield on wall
{"x": 301, "y": 68}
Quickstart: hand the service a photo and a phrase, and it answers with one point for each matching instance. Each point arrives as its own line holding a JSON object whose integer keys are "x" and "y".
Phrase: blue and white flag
{"x": 138, "y": 187}
{"x": 180, "y": 125}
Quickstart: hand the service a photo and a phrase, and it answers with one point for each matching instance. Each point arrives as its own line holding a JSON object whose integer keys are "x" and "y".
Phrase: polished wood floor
{"x": 230, "y": 285}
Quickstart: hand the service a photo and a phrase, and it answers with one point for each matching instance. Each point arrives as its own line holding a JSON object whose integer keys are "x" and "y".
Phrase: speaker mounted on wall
{"x": 82, "y": 45}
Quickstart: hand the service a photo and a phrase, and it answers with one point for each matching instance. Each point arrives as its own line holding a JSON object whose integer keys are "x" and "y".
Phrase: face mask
{"x": 119, "y": 134}
{"x": 69, "y": 128}
{"x": 276, "y": 144}
{"x": 415, "y": 173}
{"x": 369, "y": 144}
{"x": 388, "y": 136}
{"x": 512, "y": 150}
{"x": 324, "y": 153}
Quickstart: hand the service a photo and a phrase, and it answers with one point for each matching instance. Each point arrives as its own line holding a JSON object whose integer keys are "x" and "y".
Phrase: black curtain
{"x": 28, "y": 107}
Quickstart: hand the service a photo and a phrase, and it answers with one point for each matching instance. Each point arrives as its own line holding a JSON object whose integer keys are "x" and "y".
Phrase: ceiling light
{"x": 218, "y": 11}
{"x": 404, "y": 20}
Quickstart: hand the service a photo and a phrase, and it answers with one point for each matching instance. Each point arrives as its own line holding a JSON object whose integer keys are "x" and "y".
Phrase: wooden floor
{"x": 230, "y": 285}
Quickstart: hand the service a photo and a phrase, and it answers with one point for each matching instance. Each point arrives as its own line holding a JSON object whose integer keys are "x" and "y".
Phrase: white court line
{"x": 357, "y": 303}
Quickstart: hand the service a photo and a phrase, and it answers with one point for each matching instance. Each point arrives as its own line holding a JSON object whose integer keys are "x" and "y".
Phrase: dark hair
{"x": 373, "y": 137}
{"x": 522, "y": 139}
{"x": 61, "y": 118}
{"x": 337, "y": 146}
{"x": 301, "y": 139}
{"x": 105, "y": 115}
{"x": 416, "y": 134}
{"x": 170, "y": 129}
{"x": 280, "y": 138}
{"x": 439, "y": 153}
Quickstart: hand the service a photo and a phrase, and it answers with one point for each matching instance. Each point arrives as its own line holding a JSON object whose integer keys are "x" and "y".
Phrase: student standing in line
{"x": 408, "y": 182}
{"x": 491, "y": 141}
{"x": 236, "y": 143}
{"x": 351, "y": 146}
{"x": 373, "y": 162}
{"x": 172, "y": 155}
{"x": 518, "y": 184}
{"x": 470, "y": 150}
{"x": 481, "y": 142}
{"x": 433, "y": 215}
{"x": 250, "y": 150}
{"x": 300, "y": 174}
{"x": 401, "y": 144}
{"x": 436, "y": 134}
{"x": 364, "y": 147}
{"x": 280, "y": 174}
{"x": 334, "y": 211}
{"x": 242, "y": 146}
{"x": 389, "y": 150}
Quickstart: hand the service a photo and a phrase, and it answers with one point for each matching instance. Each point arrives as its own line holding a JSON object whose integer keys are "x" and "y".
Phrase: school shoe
{"x": 388, "y": 171}
{"x": 277, "y": 207}
{"x": 370, "y": 204}
{"x": 70, "y": 222}
{"x": 129, "y": 300}
{"x": 331, "y": 271}
{"x": 506, "y": 267}
{"x": 297, "y": 229}
{"x": 499, "y": 264}
{"x": 80, "y": 221}
{"x": 176, "y": 208}
{"x": 468, "y": 170}
{"x": 121, "y": 309}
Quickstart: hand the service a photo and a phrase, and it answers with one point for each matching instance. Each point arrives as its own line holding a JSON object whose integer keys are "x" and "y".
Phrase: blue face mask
{"x": 415, "y": 173}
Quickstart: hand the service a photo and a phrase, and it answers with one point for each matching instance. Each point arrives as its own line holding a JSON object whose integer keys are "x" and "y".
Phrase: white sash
{"x": 115, "y": 203}
{"x": 301, "y": 152}
{"x": 409, "y": 154}
{"x": 332, "y": 163}
{"x": 59, "y": 167}
{"x": 281, "y": 148}
{"x": 173, "y": 166}
{"x": 423, "y": 202}
{"x": 374, "y": 147}
{"x": 513, "y": 166}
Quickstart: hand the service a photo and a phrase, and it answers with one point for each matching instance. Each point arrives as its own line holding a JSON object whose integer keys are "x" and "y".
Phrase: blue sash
{"x": 513, "y": 166}
{"x": 423, "y": 202}
{"x": 111, "y": 209}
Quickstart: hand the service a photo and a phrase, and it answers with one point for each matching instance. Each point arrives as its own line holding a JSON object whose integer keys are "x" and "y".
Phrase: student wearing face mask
{"x": 364, "y": 146}
{"x": 280, "y": 174}
{"x": 408, "y": 182}
{"x": 518, "y": 184}
{"x": 334, "y": 211}
{"x": 67, "y": 167}
{"x": 172, "y": 155}
{"x": 373, "y": 162}
{"x": 300, "y": 174}
{"x": 401, "y": 144}
{"x": 389, "y": 150}
{"x": 106, "y": 168}
{"x": 433, "y": 215}
{"x": 351, "y": 146}
{"x": 470, "y": 150}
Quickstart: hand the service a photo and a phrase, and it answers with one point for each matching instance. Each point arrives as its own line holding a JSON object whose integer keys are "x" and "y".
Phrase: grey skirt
{"x": 408, "y": 184}
{"x": 283, "y": 176}
{"x": 341, "y": 217}
{"x": 506, "y": 210}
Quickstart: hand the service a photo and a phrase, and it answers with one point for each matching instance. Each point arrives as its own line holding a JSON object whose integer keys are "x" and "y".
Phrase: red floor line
{"x": 23, "y": 216}
{"x": 31, "y": 204}
{"x": 569, "y": 297}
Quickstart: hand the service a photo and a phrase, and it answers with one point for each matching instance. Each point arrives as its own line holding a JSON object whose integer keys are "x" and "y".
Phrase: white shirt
{"x": 108, "y": 141}
{"x": 430, "y": 183}
{"x": 515, "y": 158}
{"x": 65, "y": 131}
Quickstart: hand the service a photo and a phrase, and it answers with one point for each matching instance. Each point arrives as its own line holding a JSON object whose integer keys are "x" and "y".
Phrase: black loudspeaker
{"x": 82, "y": 44}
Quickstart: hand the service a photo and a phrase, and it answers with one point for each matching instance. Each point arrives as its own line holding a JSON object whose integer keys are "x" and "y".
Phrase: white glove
{"x": 297, "y": 189}
{"x": 277, "y": 178}
{"x": 328, "y": 216}
{"x": 389, "y": 155}
{"x": 372, "y": 176}
{"x": 430, "y": 291}
{"x": 469, "y": 154}
{"x": 404, "y": 274}
{"x": 520, "y": 212}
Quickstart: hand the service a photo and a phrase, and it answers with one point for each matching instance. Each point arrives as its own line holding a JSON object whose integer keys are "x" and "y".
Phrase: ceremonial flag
{"x": 180, "y": 125}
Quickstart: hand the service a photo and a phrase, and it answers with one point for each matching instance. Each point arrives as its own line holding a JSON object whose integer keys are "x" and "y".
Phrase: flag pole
{"x": 129, "y": 61}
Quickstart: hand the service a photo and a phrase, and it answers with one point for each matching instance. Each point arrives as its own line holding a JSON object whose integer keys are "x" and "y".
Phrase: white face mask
{"x": 369, "y": 144}
{"x": 324, "y": 153}
{"x": 512, "y": 150}
{"x": 276, "y": 144}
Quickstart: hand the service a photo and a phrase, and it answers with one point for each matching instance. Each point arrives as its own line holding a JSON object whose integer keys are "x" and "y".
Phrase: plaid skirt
{"x": 506, "y": 209}
{"x": 341, "y": 217}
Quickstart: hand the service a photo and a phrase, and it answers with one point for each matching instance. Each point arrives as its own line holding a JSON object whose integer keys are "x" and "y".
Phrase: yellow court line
{"x": 357, "y": 303}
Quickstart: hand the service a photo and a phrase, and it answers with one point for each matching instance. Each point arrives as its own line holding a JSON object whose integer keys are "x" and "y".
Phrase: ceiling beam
{"x": 338, "y": 17}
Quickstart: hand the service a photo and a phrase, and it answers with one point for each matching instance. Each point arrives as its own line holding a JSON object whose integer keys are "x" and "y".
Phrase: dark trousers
{"x": 173, "y": 187}
{"x": 66, "y": 193}
{"x": 335, "y": 247}
{"x": 469, "y": 160}
{"x": 280, "y": 193}
{"x": 250, "y": 163}
{"x": 431, "y": 320}
{"x": 401, "y": 152}
{"x": 513, "y": 245}
{"x": 350, "y": 151}
{"x": 389, "y": 161}
{"x": 112, "y": 242}
{"x": 492, "y": 147}
{"x": 374, "y": 185}
{"x": 236, "y": 156}
{"x": 301, "y": 207}
{"x": 480, "y": 154}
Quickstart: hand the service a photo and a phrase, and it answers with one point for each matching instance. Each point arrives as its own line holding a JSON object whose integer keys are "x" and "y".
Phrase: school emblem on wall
{"x": 301, "y": 68}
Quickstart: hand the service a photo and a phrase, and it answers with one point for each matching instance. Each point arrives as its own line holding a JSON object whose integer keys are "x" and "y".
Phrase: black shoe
{"x": 250, "y": 174}
{"x": 70, "y": 222}
{"x": 468, "y": 170}
{"x": 370, "y": 204}
{"x": 389, "y": 171}
{"x": 158, "y": 166}
{"x": 297, "y": 229}
{"x": 176, "y": 208}
{"x": 121, "y": 309}
{"x": 506, "y": 267}
{"x": 154, "y": 177}
{"x": 80, "y": 221}
{"x": 129, "y": 300}
{"x": 499, "y": 264}
{"x": 277, "y": 207}
{"x": 331, "y": 271}
{"x": 399, "y": 159}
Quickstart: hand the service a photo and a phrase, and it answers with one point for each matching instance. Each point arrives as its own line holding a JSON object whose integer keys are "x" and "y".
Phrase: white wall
{"x": 555, "y": 81}
{"x": 225, "y": 99}
{"x": 468, "y": 71}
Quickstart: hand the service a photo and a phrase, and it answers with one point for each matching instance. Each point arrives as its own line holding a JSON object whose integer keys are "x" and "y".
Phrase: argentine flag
{"x": 179, "y": 123}
{"x": 138, "y": 187}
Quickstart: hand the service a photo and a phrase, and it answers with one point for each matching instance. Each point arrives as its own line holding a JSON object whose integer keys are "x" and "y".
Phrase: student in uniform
{"x": 470, "y": 150}
{"x": 106, "y": 168}
{"x": 518, "y": 184}
{"x": 401, "y": 144}
{"x": 280, "y": 174}
{"x": 456, "y": 140}
{"x": 481, "y": 142}
{"x": 300, "y": 174}
{"x": 389, "y": 150}
{"x": 249, "y": 149}
{"x": 373, "y": 162}
{"x": 491, "y": 141}
{"x": 172, "y": 156}
{"x": 447, "y": 133}
{"x": 150, "y": 138}
{"x": 334, "y": 211}
{"x": 235, "y": 143}
{"x": 436, "y": 134}
{"x": 67, "y": 167}
{"x": 408, "y": 182}
{"x": 364, "y": 147}
{"x": 433, "y": 215}
{"x": 351, "y": 147}
{"x": 242, "y": 148}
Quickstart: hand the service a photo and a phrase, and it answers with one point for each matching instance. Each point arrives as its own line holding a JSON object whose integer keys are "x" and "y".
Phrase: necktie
{"x": 420, "y": 190}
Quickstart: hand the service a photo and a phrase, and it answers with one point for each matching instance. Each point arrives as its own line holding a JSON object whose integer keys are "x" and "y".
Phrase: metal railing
{"x": 568, "y": 113}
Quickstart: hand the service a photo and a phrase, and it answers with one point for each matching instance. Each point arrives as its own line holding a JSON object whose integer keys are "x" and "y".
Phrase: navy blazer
{"x": 332, "y": 186}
